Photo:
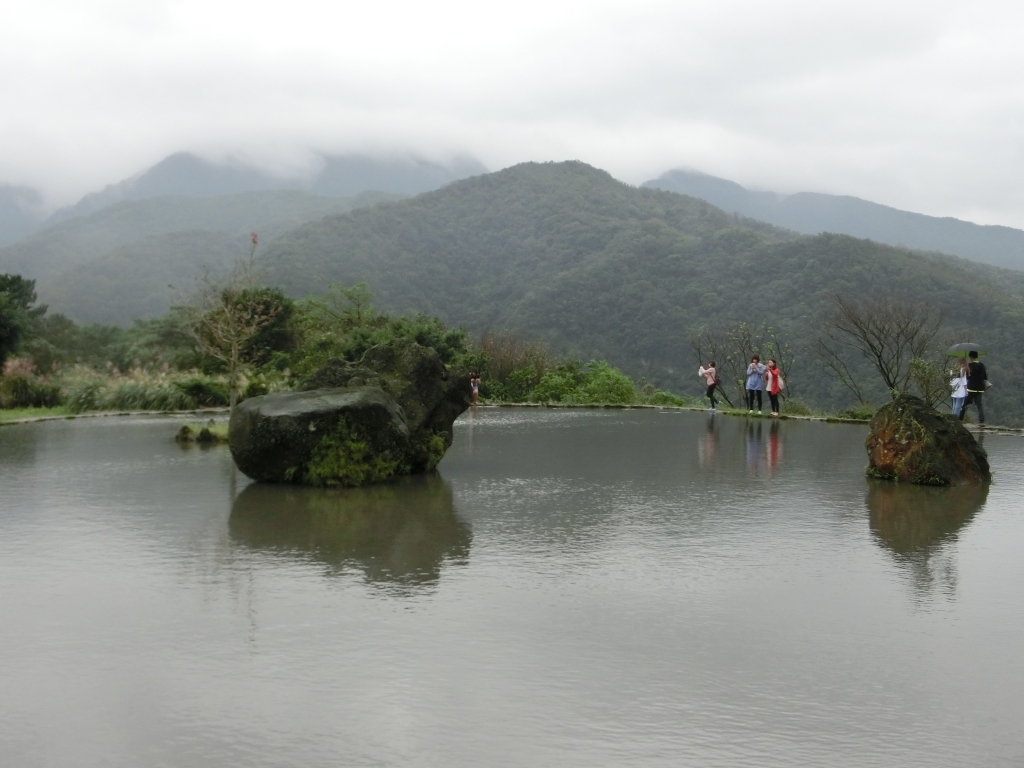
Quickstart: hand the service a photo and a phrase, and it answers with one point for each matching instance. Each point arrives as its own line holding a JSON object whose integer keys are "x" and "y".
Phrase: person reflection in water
{"x": 755, "y": 449}
{"x": 774, "y": 448}
{"x": 708, "y": 444}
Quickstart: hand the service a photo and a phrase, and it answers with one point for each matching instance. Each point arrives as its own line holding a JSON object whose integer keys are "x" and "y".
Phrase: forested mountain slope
{"x": 114, "y": 265}
{"x": 812, "y": 213}
{"x": 602, "y": 269}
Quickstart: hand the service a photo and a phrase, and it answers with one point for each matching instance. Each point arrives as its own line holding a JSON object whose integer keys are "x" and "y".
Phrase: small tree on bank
{"x": 224, "y": 314}
{"x": 896, "y": 340}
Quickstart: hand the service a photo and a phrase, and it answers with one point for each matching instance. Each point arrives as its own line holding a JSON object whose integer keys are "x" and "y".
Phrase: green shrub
{"x": 864, "y": 412}
{"x": 519, "y": 384}
{"x": 794, "y": 407}
{"x": 604, "y": 384}
{"x": 204, "y": 392}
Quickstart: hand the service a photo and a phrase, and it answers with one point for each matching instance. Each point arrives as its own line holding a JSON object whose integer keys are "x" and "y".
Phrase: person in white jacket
{"x": 958, "y": 387}
{"x": 710, "y": 376}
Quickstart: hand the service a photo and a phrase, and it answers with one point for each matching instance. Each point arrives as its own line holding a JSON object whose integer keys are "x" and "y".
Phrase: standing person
{"x": 474, "y": 382}
{"x": 773, "y": 381}
{"x": 755, "y": 383}
{"x": 710, "y": 376}
{"x": 977, "y": 379}
{"x": 958, "y": 386}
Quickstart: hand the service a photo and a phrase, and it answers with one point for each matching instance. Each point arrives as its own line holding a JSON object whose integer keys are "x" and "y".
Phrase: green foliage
{"x": 342, "y": 323}
{"x": 344, "y": 458}
{"x": 17, "y": 295}
{"x": 596, "y": 382}
{"x": 435, "y": 449}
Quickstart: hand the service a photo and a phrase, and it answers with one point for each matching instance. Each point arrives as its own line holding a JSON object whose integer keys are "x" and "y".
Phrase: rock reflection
{"x": 914, "y": 523}
{"x": 398, "y": 534}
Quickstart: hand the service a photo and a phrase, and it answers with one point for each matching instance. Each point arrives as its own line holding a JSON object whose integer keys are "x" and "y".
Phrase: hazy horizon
{"x": 914, "y": 106}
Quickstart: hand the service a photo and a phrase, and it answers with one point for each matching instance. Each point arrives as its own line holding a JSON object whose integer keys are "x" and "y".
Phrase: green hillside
{"x": 601, "y": 269}
{"x": 114, "y": 265}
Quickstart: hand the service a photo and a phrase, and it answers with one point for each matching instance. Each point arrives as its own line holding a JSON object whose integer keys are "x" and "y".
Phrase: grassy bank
{"x": 20, "y": 414}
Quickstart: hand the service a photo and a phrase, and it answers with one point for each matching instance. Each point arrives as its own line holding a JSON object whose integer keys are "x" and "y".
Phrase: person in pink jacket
{"x": 710, "y": 376}
{"x": 773, "y": 383}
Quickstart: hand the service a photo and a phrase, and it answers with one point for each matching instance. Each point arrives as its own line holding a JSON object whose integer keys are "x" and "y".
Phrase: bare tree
{"x": 709, "y": 345}
{"x": 889, "y": 335}
{"x": 224, "y": 314}
{"x": 733, "y": 349}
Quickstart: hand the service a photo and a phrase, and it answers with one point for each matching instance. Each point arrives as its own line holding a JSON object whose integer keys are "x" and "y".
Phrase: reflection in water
{"x": 915, "y": 522}
{"x": 774, "y": 448}
{"x": 397, "y": 533}
{"x": 708, "y": 442}
{"x": 755, "y": 450}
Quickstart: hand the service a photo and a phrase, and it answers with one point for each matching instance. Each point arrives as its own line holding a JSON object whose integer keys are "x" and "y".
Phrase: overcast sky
{"x": 914, "y": 104}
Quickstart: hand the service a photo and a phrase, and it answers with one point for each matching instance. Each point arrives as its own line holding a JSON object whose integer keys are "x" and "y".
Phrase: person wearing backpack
{"x": 977, "y": 382}
{"x": 774, "y": 384}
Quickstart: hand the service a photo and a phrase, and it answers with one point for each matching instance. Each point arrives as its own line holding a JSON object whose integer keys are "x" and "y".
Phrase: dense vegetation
{"x": 155, "y": 365}
{"x": 597, "y": 269}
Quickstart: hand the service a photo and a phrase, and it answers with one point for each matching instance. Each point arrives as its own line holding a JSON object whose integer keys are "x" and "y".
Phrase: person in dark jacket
{"x": 977, "y": 379}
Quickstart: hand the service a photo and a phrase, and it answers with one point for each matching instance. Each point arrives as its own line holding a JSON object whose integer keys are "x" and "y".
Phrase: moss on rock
{"x": 912, "y": 443}
{"x": 354, "y": 424}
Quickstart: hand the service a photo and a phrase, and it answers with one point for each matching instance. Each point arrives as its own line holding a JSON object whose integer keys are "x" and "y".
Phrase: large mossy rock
{"x": 353, "y": 424}
{"x": 912, "y": 443}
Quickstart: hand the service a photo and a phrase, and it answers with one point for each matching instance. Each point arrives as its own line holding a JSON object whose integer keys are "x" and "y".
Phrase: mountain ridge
{"x": 814, "y": 213}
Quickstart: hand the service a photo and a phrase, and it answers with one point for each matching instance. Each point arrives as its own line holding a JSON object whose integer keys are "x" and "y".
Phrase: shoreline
{"x": 988, "y": 429}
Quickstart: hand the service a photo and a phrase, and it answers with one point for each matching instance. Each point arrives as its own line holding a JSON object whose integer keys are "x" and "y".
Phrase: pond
{"x": 573, "y": 588}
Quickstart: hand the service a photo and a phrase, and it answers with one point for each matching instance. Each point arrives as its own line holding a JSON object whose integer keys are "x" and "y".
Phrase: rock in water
{"x": 353, "y": 424}
{"x": 912, "y": 443}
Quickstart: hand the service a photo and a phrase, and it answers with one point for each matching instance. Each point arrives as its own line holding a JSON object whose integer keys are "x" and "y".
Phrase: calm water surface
{"x": 625, "y": 588}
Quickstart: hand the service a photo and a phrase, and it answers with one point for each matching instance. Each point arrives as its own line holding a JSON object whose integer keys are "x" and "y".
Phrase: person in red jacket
{"x": 773, "y": 383}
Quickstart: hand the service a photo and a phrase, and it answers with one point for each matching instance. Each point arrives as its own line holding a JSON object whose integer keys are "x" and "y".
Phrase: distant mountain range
{"x": 21, "y": 212}
{"x": 811, "y": 213}
{"x": 186, "y": 175}
{"x": 114, "y": 266}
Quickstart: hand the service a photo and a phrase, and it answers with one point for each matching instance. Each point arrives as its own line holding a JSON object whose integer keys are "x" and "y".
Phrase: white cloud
{"x": 915, "y": 104}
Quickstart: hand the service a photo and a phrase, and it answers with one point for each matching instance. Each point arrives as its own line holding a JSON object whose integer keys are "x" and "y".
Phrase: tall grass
{"x": 88, "y": 390}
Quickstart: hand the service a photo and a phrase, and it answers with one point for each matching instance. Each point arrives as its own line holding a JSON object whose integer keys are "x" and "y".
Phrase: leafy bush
{"x": 596, "y": 382}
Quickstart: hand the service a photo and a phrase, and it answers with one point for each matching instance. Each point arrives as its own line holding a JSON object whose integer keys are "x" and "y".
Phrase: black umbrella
{"x": 961, "y": 350}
